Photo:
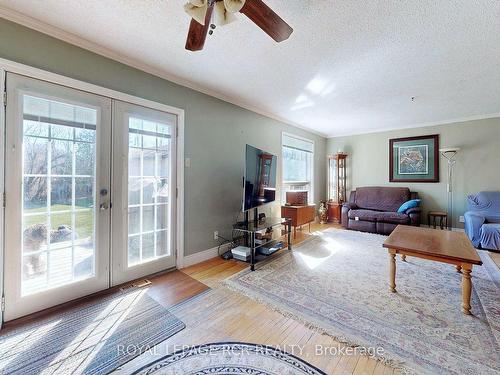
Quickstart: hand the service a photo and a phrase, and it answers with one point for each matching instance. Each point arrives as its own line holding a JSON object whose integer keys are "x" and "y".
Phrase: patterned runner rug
{"x": 337, "y": 281}
{"x": 94, "y": 339}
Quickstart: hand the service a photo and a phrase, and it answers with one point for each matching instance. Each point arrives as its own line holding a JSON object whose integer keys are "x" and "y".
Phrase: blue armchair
{"x": 482, "y": 221}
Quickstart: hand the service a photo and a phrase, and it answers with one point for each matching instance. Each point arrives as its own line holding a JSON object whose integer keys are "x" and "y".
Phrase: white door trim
{"x": 14, "y": 67}
{"x": 2, "y": 188}
{"x": 29, "y": 71}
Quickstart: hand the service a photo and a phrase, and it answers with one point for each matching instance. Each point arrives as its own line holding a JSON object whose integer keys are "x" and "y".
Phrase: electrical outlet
{"x": 461, "y": 219}
{"x": 216, "y": 235}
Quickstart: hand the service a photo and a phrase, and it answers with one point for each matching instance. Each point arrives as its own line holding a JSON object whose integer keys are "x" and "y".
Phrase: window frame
{"x": 311, "y": 183}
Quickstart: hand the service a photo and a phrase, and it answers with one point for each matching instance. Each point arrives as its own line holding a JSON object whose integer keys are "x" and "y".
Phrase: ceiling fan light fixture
{"x": 222, "y": 15}
{"x": 256, "y": 10}
{"x": 196, "y": 12}
{"x": 234, "y": 6}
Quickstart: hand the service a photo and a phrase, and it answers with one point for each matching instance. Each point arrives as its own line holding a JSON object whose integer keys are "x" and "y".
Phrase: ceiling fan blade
{"x": 198, "y": 33}
{"x": 267, "y": 20}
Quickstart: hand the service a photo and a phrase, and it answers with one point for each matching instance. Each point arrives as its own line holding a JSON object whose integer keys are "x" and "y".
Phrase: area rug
{"x": 337, "y": 282}
{"x": 230, "y": 358}
{"x": 93, "y": 339}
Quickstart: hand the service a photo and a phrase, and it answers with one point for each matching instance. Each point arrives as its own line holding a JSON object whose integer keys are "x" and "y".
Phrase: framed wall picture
{"x": 414, "y": 159}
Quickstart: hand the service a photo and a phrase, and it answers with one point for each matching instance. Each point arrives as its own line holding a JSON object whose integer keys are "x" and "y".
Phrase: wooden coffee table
{"x": 438, "y": 245}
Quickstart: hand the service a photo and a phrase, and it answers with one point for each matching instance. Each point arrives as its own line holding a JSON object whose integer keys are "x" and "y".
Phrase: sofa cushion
{"x": 365, "y": 215}
{"x": 386, "y": 217}
{"x": 381, "y": 198}
{"x": 392, "y": 217}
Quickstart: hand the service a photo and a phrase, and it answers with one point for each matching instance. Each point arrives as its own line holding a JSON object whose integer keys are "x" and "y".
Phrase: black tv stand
{"x": 247, "y": 221}
{"x": 250, "y": 228}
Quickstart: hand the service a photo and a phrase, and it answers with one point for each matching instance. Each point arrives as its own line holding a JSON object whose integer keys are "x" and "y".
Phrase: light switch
{"x": 187, "y": 162}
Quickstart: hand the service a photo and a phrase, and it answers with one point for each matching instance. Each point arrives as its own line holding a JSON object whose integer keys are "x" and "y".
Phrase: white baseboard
{"x": 202, "y": 256}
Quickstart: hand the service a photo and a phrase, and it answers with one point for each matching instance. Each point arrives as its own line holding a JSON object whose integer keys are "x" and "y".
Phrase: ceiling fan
{"x": 224, "y": 11}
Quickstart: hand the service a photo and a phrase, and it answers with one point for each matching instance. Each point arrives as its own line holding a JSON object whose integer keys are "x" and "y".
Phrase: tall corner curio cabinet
{"x": 336, "y": 186}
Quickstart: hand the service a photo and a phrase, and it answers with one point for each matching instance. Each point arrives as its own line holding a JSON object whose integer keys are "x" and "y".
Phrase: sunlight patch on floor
{"x": 20, "y": 343}
{"x": 93, "y": 337}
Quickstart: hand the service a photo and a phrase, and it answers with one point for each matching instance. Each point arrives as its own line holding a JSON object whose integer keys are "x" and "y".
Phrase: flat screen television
{"x": 259, "y": 182}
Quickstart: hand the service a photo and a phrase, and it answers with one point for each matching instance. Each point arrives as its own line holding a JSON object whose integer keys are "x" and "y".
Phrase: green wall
{"x": 215, "y": 131}
{"x": 477, "y": 167}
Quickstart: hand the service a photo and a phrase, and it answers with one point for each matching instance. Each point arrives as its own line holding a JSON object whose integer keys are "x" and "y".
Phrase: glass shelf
{"x": 268, "y": 222}
{"x": 252, "y": 228}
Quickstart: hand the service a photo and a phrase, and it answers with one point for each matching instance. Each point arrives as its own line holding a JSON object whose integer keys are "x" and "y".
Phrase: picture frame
{"x": 414, "y": 159}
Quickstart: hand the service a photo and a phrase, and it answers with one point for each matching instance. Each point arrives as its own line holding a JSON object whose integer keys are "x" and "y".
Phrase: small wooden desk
{"x": 300, "y": 215}
{"x": 438, "y": 245}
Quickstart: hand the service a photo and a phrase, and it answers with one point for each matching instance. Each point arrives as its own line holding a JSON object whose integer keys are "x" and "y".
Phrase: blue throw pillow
{"x": 409, "y": 204}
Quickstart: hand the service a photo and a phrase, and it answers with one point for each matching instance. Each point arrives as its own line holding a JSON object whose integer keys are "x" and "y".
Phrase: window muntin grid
{"x": 58, "y": 190}
{"x": 148, "y": 191}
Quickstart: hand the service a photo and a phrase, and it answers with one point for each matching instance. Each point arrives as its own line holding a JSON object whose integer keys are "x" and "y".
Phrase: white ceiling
{"x": 351, "y": 66}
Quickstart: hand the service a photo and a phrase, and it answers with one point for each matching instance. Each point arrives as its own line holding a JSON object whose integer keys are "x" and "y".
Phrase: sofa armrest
{"x": 346, "y": 206}
{"x": 415, "y": 215}
{"x": 413, "y": 210}
{"x": 473, "y": 223}
{"x": 344, "y": 218}
{"x": 349, "y": 206}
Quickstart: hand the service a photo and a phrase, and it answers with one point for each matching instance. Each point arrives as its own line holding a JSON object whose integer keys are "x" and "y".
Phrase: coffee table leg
{"x": 459, "y": 268}
{"x": 403, "y": 258}
{"x": 466, "y": 288}
{"x": 392, "y": 277}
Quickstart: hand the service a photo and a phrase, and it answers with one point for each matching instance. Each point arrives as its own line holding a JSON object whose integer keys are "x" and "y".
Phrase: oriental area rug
{"x": 337, "y": 282}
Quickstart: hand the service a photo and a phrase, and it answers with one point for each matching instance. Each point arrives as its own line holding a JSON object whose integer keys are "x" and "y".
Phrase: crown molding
{"x": 421, "y": 125}
{"x": 65, "y": 36}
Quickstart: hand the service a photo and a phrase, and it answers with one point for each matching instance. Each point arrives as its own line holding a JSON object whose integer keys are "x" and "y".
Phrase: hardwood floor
{"x": 222, "y": 315}
{"x": 229, "y": 316}
{"x": 495, "y": 257}
{"x": 167, "y": 288}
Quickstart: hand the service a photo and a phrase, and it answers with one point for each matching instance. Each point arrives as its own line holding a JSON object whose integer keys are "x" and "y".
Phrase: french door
{"x": 56, "y": 183}
{"x": 144, "y": 191}
{"x": 90, "y": 194}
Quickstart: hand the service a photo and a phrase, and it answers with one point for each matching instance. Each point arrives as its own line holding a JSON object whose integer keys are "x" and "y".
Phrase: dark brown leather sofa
{"x": 374, "y": 209}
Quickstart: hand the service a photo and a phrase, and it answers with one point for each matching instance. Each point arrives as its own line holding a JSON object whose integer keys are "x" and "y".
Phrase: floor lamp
{"x": 450, "y": 154}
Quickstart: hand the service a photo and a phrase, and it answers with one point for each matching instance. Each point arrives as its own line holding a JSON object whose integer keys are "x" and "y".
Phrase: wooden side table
{"x": 299, "y": 215}
{"x": 334, "y": 212}
{"x": 443, "y": 219}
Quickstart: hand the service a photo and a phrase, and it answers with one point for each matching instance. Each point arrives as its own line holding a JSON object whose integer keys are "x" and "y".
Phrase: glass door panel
{"x": 145, "y": 194}
{"x": 56, "y": 136}
{"x": 58, "y": 188}
{"x": 148, "y": 174}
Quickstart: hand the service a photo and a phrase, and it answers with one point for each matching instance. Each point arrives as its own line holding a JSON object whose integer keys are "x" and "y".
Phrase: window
{"x": 298, "y": 154}
{"x": 148, "y": 198}
{"x": 58, "y": 193}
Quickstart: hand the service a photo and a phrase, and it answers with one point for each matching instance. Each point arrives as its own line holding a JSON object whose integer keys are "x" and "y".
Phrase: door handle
{"x": 104, "y": 206}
